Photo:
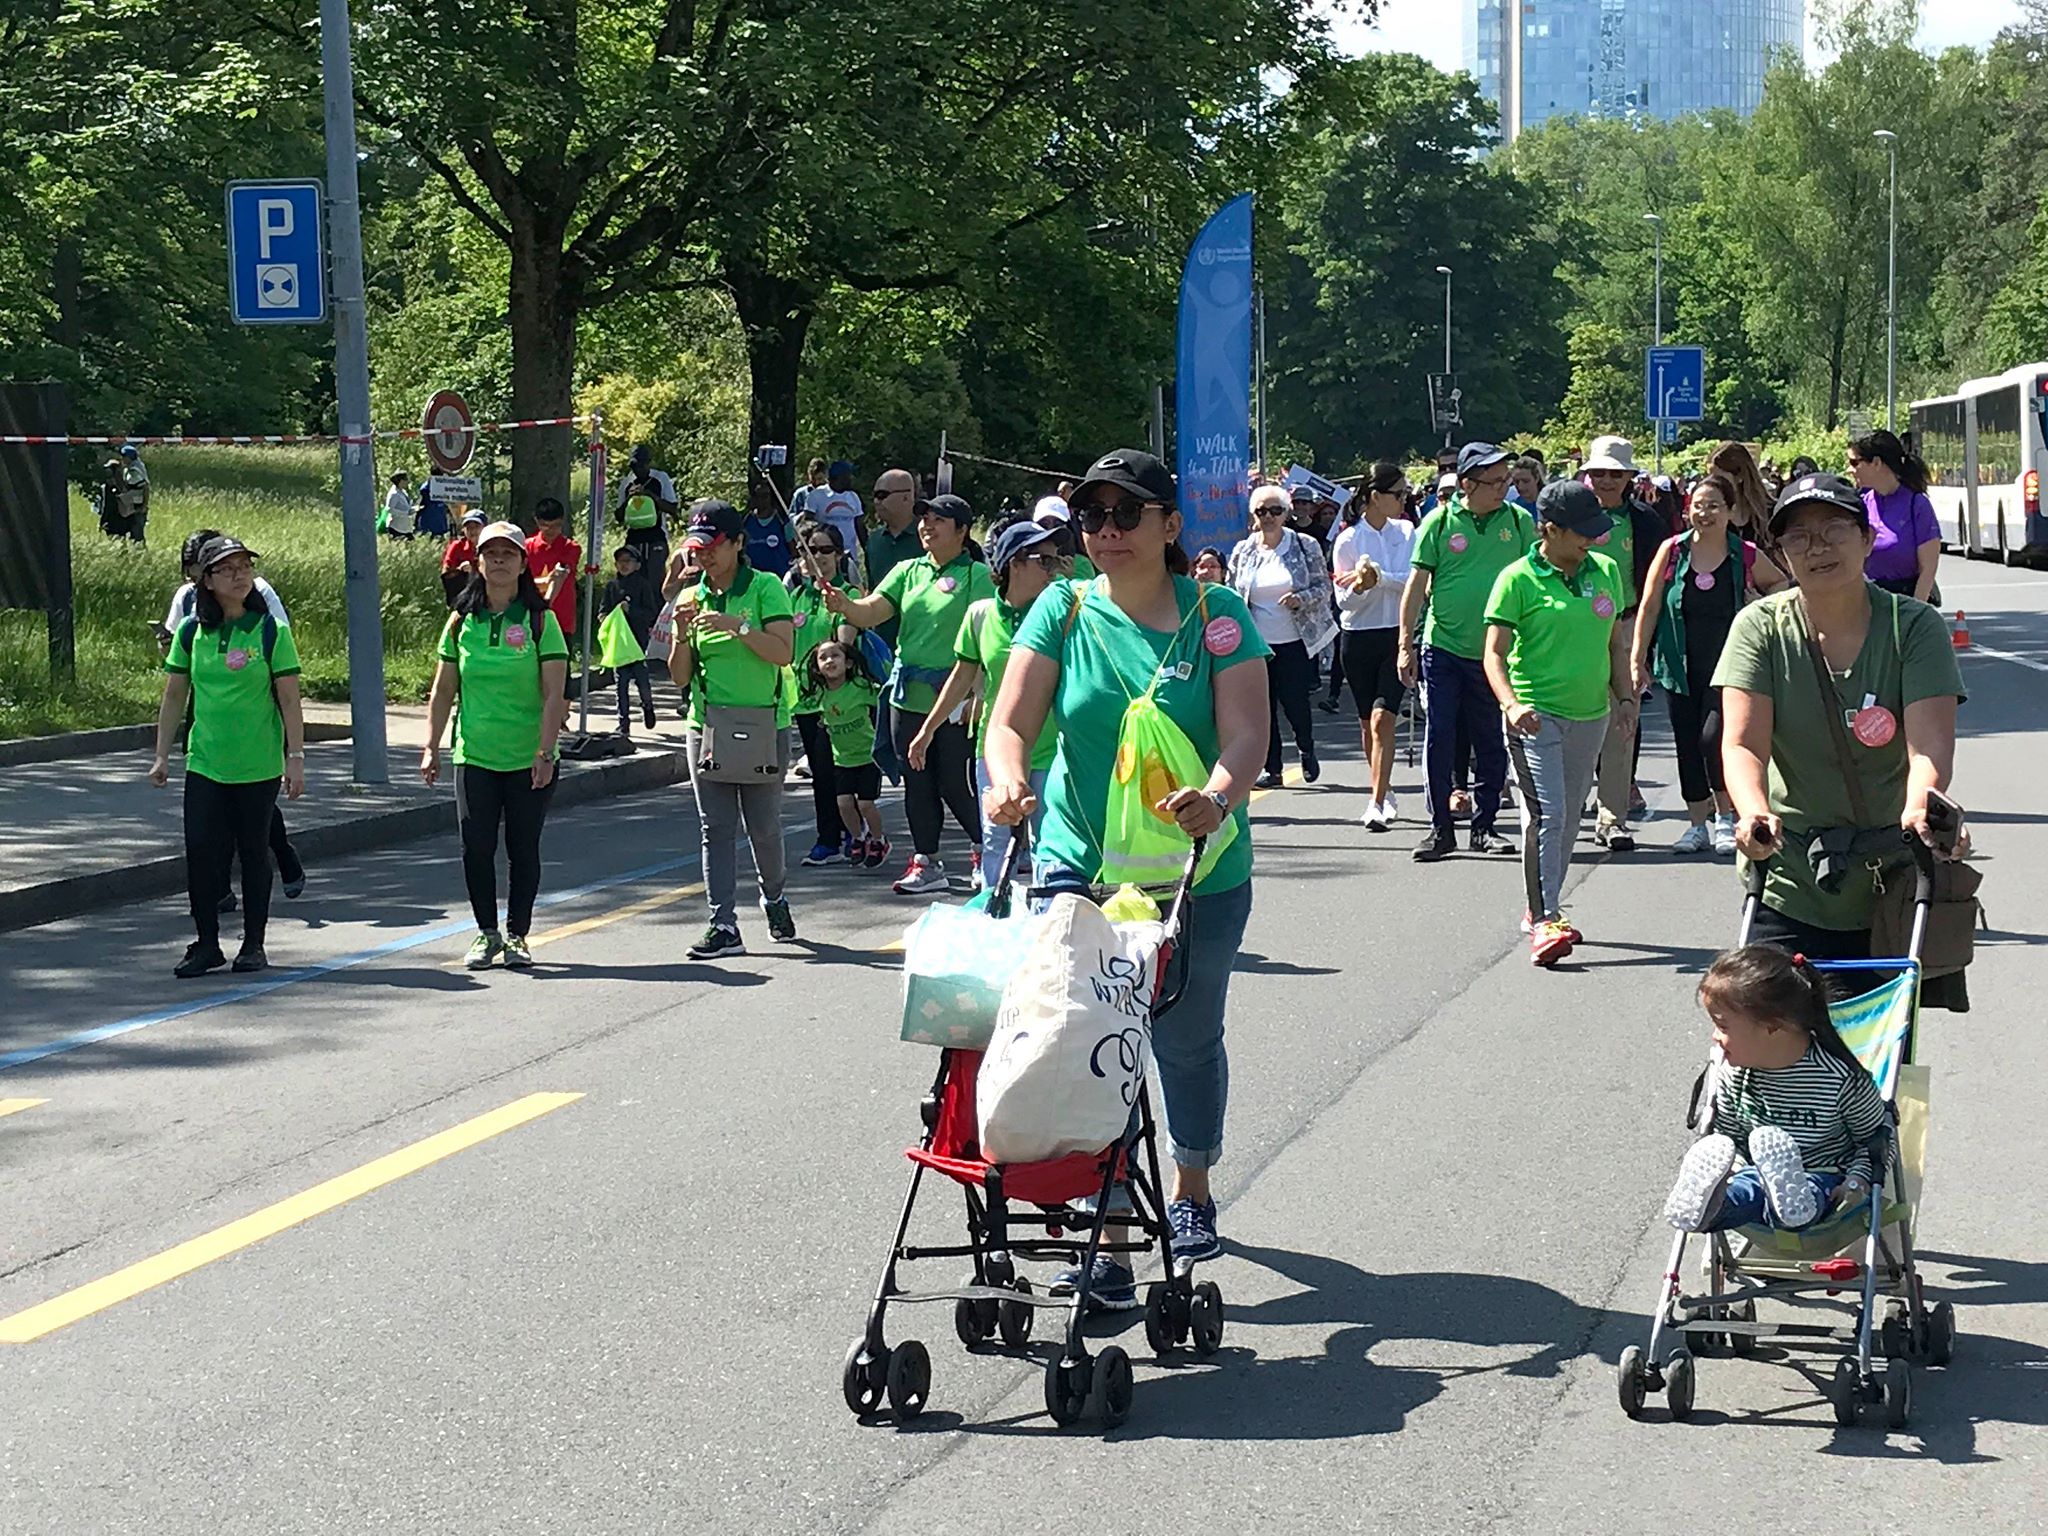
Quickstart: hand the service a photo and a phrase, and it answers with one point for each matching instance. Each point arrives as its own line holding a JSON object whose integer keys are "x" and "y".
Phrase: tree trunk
{"x": 1838, "y": 340}
{"x": 776, "y": 314}
{"x": 543, "y": 305}
{"x": 67, "y": 262}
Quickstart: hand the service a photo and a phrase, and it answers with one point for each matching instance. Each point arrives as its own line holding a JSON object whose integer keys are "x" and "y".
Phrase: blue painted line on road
{"x": 269, "y": 984}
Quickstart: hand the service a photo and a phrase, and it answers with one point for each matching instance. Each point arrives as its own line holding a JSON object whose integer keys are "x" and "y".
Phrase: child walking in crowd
{"x": 1788, "y": 1092}
{"x": 846, "y": 702}
{"x": 633, "y": 588}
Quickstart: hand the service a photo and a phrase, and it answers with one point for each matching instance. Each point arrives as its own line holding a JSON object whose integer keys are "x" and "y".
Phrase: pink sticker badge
{"x": 947, "y": 583}
{"x": 802, "y": 619}
{"x": 1603, "y": 605}
{"x": 515, "y": 636}
{"x": 1874, "y": 725}
{"x": 236, "y": 659}
{"x": 1604, "y": 537}
{"x": 1704, "y": 580}
{"x": 1458, "y": 543}
{"x": 1222, "y": 637}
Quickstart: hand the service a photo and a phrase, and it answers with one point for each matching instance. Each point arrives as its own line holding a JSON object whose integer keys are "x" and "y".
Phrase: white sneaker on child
{"x": 1783, "y": 1171}
{"x": 1702, "y": 1179}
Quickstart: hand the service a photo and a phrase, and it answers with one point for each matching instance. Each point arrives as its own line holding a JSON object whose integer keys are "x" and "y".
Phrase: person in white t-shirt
{"x": 398, "y": 508}
{"x": 1285, "y": 581}
{"x": 841, "y": 507}
{"x": 1371, "y": 559}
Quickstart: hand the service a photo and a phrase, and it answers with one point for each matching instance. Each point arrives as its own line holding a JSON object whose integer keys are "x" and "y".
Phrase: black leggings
{"x": 282, "y": 853}
{"x": 1291, "y": 679}
{"x": 221, "y": 822}
{"x": 945, "y": 782}
{"x": 482, "y": 798}
{"x": 1696, "y": 734}
{"x": 824, "y": 784}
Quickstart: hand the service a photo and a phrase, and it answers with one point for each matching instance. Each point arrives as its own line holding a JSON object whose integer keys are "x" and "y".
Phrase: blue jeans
{"x": 1187, "y": 1043}
{"x": 885, "y": 743}
{"x": 1743, "y": 1203}
{"x": 1455, "y": 691}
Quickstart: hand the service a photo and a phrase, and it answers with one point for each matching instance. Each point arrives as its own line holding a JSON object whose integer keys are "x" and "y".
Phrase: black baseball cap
{"x": 712, "y": 520}
{"x": 1129, "y": 469}
{"x": 213, "y": 551}
{"x": 1571, "y": 505}
{"x": 951, "y": 506}
{"x": 1828, "y": 490}
{"x": 1474, "y": 457}
{"x": 1301, "y": 495}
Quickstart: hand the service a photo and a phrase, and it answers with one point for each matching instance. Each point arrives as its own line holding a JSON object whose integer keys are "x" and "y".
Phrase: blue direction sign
{"x": 1675, "y": 384}
{"x": 277, "y": 252}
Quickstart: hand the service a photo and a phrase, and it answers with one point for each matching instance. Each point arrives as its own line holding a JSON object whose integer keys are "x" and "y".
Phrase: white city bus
{"x": 1986, "y": 448}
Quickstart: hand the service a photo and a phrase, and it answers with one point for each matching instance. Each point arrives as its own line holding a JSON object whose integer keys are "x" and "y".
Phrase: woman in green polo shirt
{"x": 1883, "y": 667}
{"x": 1081, "y": 655}
{"x": 237, "y": 667}
{"x": 503, "y": 665}
{"x": 818, "y": 561}
{"x": 929, "y": 596}
{"x": 1558, "y": 665}
{"x": 1025, "y": 556}
{"x": 734, "y": 640}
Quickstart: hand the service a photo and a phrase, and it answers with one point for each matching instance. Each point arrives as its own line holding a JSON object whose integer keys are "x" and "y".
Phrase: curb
{"x": 116, "y": 738}
{"x": 31, "y": 905}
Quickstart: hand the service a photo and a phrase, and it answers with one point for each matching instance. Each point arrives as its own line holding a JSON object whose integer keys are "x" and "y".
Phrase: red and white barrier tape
{"x": 285, "y": 439}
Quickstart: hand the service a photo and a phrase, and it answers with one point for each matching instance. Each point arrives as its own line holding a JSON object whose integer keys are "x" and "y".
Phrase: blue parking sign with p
{"x": 277, "y": 252}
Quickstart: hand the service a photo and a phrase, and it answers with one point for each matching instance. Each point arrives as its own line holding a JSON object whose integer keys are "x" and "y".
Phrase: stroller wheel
{"x": 1159, "y": 1330}
{"x": 1941, "y": 1332}
{"x": 1898, "y": 1393}
{"x": 1205, "y": 1318}
{"x": 1013, "y": 1319}
{"x": 1066, "y": 1389}
{"x": 865, "y": 1378}
{"x": 967, "y": 1322}
{"x": 1895, "y": 1333}
{"x": 910, "y": 1379}
{"x": 1743, "y": 1343}
{"x": 1630, "y": 1382}
{"x": 1843, "y": 1391}
{"x": 1678, "y": 1384}
{"x": 1112, "y": 1387}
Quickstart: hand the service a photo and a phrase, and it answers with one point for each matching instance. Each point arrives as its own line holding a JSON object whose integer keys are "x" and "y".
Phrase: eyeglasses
{"x": 823, "y": 549}
{"x": 1040, "y": 557}
{"x": 1264, "y": 514}
{"x": 1801, "y": 541}
{"x": 882, "y": 495}
{"x": 1126, "y": 514}
{"x": 1492, "y": 482}
{"x": 1855, "y": 462}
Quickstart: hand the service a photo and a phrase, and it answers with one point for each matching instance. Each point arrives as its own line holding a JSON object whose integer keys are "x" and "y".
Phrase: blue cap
{"x": 128, "y": 451}
{"x": 1571, "y": 504}
{"x": 1474, "y": 457}
{"x": 1014, "y": 540}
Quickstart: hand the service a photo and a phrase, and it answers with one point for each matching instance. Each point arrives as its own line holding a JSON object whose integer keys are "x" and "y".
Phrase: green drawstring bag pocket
{"x": 1141, "y": 844}
{"x": 616, "y": 646}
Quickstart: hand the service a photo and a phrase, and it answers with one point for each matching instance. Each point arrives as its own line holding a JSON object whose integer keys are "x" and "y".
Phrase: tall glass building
{"x": 1625, "y": 58}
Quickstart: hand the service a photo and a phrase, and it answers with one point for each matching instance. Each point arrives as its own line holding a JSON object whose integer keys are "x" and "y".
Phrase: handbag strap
{"x": 1838, "y": 732}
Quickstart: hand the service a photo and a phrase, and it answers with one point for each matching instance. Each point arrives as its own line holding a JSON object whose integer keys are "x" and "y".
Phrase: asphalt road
{"x": 443, "y": 1304}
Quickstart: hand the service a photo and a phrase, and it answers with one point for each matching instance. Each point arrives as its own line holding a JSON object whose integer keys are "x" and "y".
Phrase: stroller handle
{"x": 1754, "y": 876}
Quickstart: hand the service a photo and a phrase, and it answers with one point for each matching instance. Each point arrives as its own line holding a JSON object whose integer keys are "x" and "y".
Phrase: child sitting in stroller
{"x": 1786, "y": 1089}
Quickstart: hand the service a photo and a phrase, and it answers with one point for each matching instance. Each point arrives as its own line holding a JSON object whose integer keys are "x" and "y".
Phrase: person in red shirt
{"x": 458, "y": 560}
{"x": 553, "y": 558}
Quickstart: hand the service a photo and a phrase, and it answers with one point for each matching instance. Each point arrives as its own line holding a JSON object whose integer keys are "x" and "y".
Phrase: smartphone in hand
{"x": 1944, "y": 820}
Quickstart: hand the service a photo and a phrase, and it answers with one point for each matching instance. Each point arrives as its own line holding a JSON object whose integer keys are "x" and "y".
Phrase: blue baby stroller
{"x": 1867, "y": 1251}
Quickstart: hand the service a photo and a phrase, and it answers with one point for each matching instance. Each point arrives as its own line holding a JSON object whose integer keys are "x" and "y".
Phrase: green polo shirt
{"x": 985, "y": 639}
{"x": 1465, "y": 556}
{"x": 930, "y": 604}
{"x": 728, "y": 673}
{"x": 886, "y": 551}
{"x": 1619, "y": 545}
{"x": 1105, "y": 661}
{"x": 1906, "y": 657}
{"x": 848, "y": 713}
{"x": 814, "y": 626}
{"x": 1560, "y": 663}
{"x": 497, "y": 659}
{"x": 237, "y": 733}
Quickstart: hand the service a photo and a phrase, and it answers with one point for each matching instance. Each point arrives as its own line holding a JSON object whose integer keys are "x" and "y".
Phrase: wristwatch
{"x": 1222, "y": 801}
{"x": 746, "y": 626}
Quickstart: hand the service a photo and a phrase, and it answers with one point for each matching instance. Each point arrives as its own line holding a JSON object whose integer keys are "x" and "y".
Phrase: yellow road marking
{"x": 16, "y": 1106}
{"x": 124, "y": 1284}
{"x": 617, "y": 914}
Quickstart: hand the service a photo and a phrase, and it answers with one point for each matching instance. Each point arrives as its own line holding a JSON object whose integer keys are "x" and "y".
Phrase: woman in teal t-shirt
{"x": 1085, "y": 650}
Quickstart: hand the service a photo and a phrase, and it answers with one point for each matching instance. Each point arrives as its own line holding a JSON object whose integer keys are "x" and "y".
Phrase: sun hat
{"x": 1610, "y": 452}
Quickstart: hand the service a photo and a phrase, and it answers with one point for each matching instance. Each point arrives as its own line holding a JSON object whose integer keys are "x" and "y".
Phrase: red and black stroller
{"x": 1029, "y": 1211}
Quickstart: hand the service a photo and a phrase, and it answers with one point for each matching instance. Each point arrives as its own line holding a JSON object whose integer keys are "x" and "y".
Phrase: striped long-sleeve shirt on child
{"x": 1827, "y": 1106}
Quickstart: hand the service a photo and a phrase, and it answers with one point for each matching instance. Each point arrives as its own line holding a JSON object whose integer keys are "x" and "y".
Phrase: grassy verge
{"x": 283, "y": 503}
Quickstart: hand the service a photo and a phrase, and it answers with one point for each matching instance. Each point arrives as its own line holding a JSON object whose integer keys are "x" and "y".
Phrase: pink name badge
{"x": 236, "y": 659}
{"x": 802, "y": 619}
{"x": 1874, "y": 725}
{"x": 515, "y": 636}
{"x": 1603, "y": 605}
{"x": 1458, "y": 543}
{"x": 1222, "y": 637}
{"x": 947, "y": 583}
{"x": 1704, "y": 580}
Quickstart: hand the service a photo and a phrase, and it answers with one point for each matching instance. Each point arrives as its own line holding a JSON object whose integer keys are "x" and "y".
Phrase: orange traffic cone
{"x": 1959, "y": 637}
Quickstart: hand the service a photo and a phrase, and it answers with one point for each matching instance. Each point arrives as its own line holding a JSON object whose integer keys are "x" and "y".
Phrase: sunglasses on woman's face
{"x": 1126, "y": 514}
{"x": 822, "y": 550}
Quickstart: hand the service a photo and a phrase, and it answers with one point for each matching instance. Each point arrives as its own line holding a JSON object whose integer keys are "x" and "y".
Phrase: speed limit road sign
{"x": 448, "y": 432}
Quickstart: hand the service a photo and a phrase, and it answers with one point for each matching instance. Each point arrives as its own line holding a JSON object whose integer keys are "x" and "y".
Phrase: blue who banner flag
{"x": 1213, "y": 390}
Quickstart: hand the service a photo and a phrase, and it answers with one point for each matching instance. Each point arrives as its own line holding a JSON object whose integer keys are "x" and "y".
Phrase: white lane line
{"x": 2019, "y": 661}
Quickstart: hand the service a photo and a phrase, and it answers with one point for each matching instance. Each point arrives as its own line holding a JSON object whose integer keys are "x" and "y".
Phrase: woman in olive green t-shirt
{"x": 1892, "y": 681}
{"x": 502, "y": 669}
{"x": 237, "y": 666}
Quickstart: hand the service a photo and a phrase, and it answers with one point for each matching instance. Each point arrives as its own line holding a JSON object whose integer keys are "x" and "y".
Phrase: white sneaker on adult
{"x": 1375, "y": 818}
{"x": 1698, "y": 838}
{"x": 1391, "y": 809}
{"x": 1724, "y": 834}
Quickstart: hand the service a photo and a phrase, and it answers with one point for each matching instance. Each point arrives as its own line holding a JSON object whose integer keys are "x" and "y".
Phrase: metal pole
{"x": 1159, "y": 421}
{"x": 594, "y": 531}
{"x": 1446, "y": 271}
{"x": 352, "y": 396}
{"x": 1891, "y": 302}
{"x": 1656, "y": 223}
{"x": 1262, "y": 379}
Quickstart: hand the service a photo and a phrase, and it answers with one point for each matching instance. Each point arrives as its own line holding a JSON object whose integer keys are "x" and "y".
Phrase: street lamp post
{"x": 1445, "y": 274}
{"x": 1890, "y": 141}
{"x": 1656, "y": 223}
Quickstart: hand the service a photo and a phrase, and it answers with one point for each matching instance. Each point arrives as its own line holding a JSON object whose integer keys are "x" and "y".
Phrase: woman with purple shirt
{"x": 1906, "y": 540}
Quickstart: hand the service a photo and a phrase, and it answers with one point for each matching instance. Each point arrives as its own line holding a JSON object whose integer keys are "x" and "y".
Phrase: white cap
{"x": 1051, "y": 507}
{"x": 1447, "y": 481}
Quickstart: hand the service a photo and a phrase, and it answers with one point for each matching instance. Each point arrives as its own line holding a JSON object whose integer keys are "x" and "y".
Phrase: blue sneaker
{"x": 1194, "y": 1231}
{"x": 1111, "y": 1286}
{"x": 822, "y": 853}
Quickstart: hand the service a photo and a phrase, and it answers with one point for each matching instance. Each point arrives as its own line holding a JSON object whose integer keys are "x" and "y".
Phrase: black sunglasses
{"x": 1126, "y": 514}
{"x": 823, "y": 549}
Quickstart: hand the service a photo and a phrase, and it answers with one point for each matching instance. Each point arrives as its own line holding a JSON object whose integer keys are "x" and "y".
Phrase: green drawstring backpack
{"x": 616, "y": 646}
